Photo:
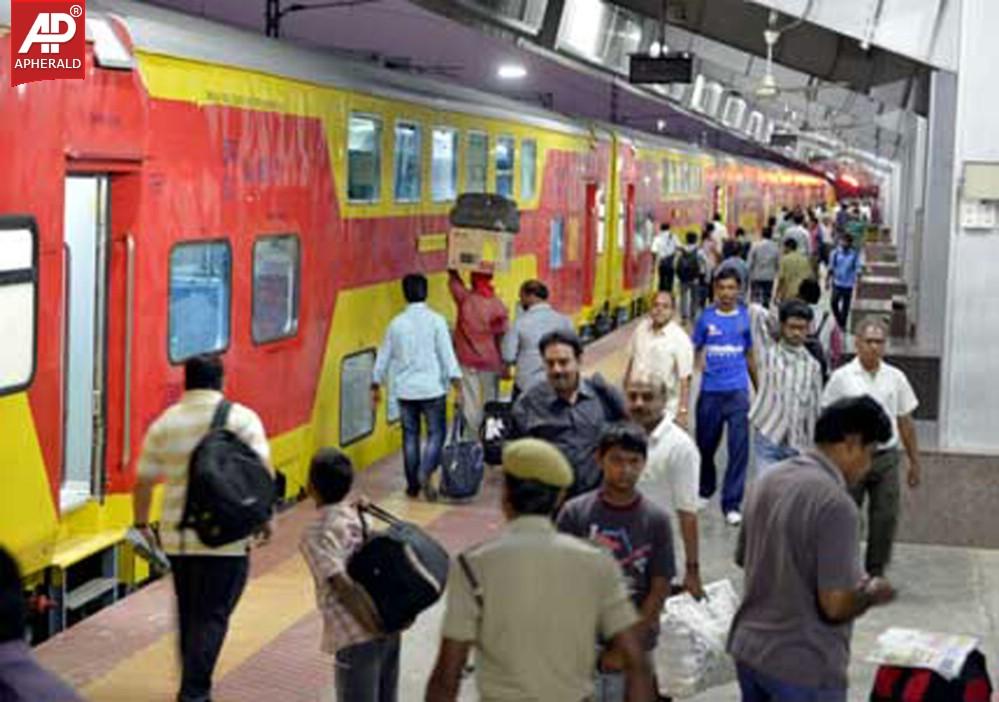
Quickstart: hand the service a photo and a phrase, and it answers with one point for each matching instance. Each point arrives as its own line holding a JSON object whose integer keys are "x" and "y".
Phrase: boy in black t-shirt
{"x": 633, "y": 529}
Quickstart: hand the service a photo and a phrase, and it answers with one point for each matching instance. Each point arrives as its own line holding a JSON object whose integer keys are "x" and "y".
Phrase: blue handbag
{"x": 462, "y": 464}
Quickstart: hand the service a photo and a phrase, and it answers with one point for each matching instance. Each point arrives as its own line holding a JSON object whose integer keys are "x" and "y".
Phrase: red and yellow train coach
{"x": 207, "y": 190}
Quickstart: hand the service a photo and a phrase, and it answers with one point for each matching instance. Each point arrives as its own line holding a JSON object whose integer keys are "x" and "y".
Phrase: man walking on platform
{"x": 417, "y": 354}
{"x": 208, "y": 582}
{"x": 844, "y": 269}
{"x": 790, "y": 637}
{"x": 664, "y": 249}
{"x": 794, "y": 267}
{"x": 763, "y": 262}
{"x": 724, "y": 344}
{"x": 568, "y": 410}
{"x": 868, "y": 374}
{"x": 520, "y": 343}
{"x": 533, "y": 602}
{"x": 481, "y": 324}
{"x": 661, "y": 347}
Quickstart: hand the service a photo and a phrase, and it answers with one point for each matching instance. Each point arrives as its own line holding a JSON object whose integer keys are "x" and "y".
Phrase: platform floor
{"x": 126, "y": 653}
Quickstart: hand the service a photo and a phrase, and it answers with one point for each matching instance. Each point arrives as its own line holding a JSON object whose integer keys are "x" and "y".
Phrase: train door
{"x": 85, "y": 285}
{"x": 590, "y": 225}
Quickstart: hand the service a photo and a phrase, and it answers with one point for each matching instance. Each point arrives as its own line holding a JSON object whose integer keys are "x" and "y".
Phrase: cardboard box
{"x": 479, "y": 250}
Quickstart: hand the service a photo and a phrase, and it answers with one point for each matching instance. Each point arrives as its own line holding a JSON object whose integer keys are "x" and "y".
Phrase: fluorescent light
{"x": 511, "y": 71}
{"x": 655, "y": 49}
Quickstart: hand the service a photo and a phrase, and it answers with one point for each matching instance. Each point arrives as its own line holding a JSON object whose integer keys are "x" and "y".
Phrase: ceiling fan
{"x": 769, "y": 88}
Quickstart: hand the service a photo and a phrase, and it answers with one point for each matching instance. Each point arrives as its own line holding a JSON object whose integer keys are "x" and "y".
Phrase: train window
{"x": 407, "y": 162}
{"x": 444, "y": 164}
{"x": 364, "y": 159}
{"x": 556, "y": 243}
{"x": 478, "y": 163}
{"x": 276, "y": 265}
{"x": 505, "y": 147}
{"x": 18, "y": 301}
{"x": 200, "y": 290}
{"x": 528, "y": 168}
{"x": 357, "y": 414}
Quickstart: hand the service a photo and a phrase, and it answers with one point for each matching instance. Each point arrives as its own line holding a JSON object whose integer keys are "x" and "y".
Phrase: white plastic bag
{"x": 690, "y": 656}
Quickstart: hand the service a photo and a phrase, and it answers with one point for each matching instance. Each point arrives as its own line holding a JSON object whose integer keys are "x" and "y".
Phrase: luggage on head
{"x": 486, "y": 211}
{"x": 402, "y": 569}
{"x": 230, "y": 492}
{"x": 461, "y": 463}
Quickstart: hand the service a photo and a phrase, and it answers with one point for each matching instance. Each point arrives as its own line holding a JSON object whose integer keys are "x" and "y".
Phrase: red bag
{"x": 896, "y": 684}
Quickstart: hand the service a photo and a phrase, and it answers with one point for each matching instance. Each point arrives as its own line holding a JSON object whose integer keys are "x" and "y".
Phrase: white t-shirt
{"x": 667, "y": 353}
{"x": 664, "y": 245}
{"x": 888, "y": 386}
{"x": 674, "y": 464}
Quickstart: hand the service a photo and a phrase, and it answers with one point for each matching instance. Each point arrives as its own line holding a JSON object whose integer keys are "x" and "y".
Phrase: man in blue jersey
{"x": 724, "y": 343}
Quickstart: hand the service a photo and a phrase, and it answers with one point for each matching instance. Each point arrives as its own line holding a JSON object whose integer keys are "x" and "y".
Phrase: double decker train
{"x": 208, "y": 190}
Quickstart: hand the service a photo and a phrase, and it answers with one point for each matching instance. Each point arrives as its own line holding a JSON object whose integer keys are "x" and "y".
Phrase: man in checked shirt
{"x": 367, "y": 660}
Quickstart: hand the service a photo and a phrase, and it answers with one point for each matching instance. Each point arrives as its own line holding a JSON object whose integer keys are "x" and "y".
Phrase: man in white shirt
{"x": 664, "y": 249}
{"x": 799, "y": 233}
{"x": 868, "y": 374}
{"x": 661, "y": 347}
{"x": 673, "y": 463}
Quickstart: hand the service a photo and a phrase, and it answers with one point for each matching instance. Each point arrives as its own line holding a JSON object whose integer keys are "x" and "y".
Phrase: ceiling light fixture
{"x": 511, "y": 71}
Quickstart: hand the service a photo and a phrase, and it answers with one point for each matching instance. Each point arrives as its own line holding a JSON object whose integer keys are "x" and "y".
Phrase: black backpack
{"x": 403, "y": 570}
{"x": 813, "y": 343}
{"x": 688, "y": 267}
{"x": 230, "y": 492}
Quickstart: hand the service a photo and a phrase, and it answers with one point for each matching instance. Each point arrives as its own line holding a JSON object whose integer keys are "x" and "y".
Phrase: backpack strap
{"x": 221, "y": 415}
{"x": 472, "y": 580}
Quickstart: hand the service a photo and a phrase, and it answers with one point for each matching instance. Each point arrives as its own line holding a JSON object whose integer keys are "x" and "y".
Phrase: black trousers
{"x": 207, "y": 590}
{"x": 666, "y": 272}
{"x": 840, "y": 303}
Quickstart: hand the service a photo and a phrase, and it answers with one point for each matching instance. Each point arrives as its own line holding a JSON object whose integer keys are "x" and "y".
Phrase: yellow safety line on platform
{"x": 272, "y": 603}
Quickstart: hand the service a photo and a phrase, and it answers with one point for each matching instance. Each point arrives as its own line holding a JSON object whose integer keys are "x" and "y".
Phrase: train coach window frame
{"x": 293, "y": 302}
{"x": 18, "y": 269}
{"x": 528, "y": 169}
{"x": 476, "y": 159}
{"x": 412, "y": 173}
{"x": 505, "y": 143}
{"x": 448, "y": 168}
{"x": 191, "y": 243}
{"x": 352, "y": 402}
{"x": 355, "y": 120}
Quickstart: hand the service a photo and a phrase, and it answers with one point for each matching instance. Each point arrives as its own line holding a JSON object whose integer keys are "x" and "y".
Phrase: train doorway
{"x": 86, "y": 243}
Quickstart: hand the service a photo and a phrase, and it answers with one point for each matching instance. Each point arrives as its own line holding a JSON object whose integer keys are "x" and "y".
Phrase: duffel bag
{"x": 461, "y": 464}
{"x": 485, "y": 211}
{"x": 903, "y": 684}
{"x": 497, "y": 418}
{"x": 402, "y": 569}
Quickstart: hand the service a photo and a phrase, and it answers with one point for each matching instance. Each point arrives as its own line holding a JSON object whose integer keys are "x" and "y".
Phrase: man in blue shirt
{"x": 418, "y": 355}
{"x": 844, "y": 267}
{"x": 724, "y": 343}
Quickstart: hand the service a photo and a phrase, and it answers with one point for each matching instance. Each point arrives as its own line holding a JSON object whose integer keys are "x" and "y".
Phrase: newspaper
{"x": 944, "y": 654}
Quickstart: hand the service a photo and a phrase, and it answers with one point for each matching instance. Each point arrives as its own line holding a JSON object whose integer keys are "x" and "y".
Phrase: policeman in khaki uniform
{"x": 533, "y": 601}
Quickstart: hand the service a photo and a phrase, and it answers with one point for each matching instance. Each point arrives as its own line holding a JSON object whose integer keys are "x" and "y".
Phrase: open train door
{"x": 590, "y": 224}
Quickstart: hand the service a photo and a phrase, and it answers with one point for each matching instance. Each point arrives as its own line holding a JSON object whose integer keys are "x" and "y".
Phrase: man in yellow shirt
{"x": 794, "y": 269}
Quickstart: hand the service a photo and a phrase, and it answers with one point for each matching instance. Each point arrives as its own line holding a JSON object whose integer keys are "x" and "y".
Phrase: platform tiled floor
{"x": 127, "y": 652}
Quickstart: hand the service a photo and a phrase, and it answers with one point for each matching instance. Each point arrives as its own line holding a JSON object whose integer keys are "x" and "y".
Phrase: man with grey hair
{"x": 868, "y": 374}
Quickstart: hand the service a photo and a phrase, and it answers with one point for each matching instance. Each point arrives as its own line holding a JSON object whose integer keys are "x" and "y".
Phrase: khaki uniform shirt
{"x": 795, "y": 268}
{"x": 548, "y": 598}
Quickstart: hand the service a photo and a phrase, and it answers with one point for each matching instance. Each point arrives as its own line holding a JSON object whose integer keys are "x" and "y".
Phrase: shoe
{"x": 702, "y": 503}
{"x": 412, "y": 493}
{"x": 430, "y": 493}
{"x": 733, "y": 518}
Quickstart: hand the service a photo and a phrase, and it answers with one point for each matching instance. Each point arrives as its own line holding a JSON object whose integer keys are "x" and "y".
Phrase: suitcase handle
{"x": 377, "y": 512}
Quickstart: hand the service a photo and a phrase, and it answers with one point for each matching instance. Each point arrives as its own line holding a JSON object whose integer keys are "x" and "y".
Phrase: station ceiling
{"x": 847, "y": 93}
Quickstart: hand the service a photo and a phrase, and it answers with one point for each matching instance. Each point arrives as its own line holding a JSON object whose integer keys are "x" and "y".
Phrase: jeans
{"x": 369, "y": 671}
{"x": 757, "y": 687}
{"x": 767, "y": 454}
{"x": 688, "y": 299}
{"x": 881, "y": 484}
{"x": 715, "y": 411}
{"x": 666, "y": 272}
{"x": 840, "y": 303}
{"x": 477, "y": 388}
{"x": 762, "y": 291}
{"x": 207, "y": 590}
{"x": 434, "y": 411}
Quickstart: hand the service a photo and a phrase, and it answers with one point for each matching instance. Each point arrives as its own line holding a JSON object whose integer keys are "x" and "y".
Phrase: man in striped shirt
{"x": 207, "y": 581}
{"x": 788, "y": 398}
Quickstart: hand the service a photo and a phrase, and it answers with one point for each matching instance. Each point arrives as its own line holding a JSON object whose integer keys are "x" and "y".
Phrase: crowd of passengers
{"x": 569, "y": 596}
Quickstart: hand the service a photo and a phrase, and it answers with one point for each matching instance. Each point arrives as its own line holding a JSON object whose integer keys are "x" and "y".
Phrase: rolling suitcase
{"x": 485, "y": 211}
{"x": 402, "y": 569}
{"x": 461, "y": 464}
